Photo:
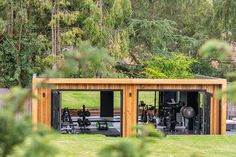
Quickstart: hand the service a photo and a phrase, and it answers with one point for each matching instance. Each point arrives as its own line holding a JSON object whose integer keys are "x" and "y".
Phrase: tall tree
{"x": 56, "y": 48}
{"x": 105, "y": 24}
{"x": 62, "y": 18}
{"x": 21, "y": 42}
{"x": 225, "y": 19}
{"x": 162, "y": 26}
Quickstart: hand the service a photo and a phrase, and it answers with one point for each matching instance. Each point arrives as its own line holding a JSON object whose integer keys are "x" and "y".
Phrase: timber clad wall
{"x": 41, "y": 111}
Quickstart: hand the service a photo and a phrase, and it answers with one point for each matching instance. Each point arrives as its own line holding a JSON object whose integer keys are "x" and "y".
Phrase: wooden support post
{"x": 34, "y": 102}
{"x": 223, "y": 110}
{"x": 129, "y": 110}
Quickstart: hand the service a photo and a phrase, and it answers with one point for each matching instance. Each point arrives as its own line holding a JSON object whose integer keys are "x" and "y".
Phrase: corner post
{"x": 34, "y": 101}
{"x": 223, "y": 109}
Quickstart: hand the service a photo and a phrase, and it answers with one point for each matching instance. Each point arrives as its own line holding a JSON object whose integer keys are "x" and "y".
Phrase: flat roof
{"x": 214, "y": 81}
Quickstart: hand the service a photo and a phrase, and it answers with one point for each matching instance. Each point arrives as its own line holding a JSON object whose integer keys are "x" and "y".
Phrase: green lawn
{"x": 91, "y": 99}
{"x": 148, "y": 97}
{"x": 75, "y": 99}
{"x": 171, "y": 146}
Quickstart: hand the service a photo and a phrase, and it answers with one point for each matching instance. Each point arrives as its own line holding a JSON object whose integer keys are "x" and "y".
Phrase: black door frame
{"x": 97, "y": 90}
{"x": 58, "y": 108}
{"x": 169, "y": 90}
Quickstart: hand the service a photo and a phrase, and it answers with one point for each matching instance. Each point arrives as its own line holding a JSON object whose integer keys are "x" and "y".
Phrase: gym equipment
{"x": 68, "y": 128}
{"x": 83, "y": 121}
{"x": 151, "y": 114}
{"x": 102, "y": 126}
{"x": 170, "y": 114}
{"x": 144, "y": 112}
{"x": 148, "y": 113}
{"x": 66, "y": 117}
{"x": 167, "y": 113}
{"x": 187, "y": 112}
{"x": 67, "y": 125}
{"x": 81, "y": 113}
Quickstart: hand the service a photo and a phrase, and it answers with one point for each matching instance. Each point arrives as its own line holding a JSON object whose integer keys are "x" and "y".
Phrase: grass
{"x": 148, "y": 97}
{"x": 75, "y": 99}
{"x": 171, "y": 146}
{"x": 91, "y": 99}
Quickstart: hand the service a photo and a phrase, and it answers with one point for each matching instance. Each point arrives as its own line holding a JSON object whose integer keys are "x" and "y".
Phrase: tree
{"x": 21, "y": 41}
{"x": 85, "y": 61}
{"x": 199, "y": 20}
{"x": 62, "y": 20}
{"x": 163, "y": 27}
{"x": 158, "y": 36}
{"x": 56, "y": 48}
{"x": 224, "y": 18}
{"x": 33, "y": 32}
{"x": 207, "y": 68}
{"x": 104, "y": 24}
{"x": 18, "y": 132}
{"x": 220, "y": 50}
{"x": 174, "y": 66}
{"x": 190, "y": 19}
{"x": 214, "y": 59}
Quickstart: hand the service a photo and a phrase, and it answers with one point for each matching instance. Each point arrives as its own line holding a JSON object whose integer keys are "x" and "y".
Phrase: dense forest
{"x": 113, "y": 38}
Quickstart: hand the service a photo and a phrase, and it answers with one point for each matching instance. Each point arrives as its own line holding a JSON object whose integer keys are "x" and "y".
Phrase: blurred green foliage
{"x": 219, "y": 50}
{"x": 216, "y": 50}
{"x": 85, "y": 61}
{"x": 17, "y": 137}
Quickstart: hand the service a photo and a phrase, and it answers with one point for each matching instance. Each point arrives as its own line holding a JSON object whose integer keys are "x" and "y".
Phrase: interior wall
{"x": 106, "y": 103}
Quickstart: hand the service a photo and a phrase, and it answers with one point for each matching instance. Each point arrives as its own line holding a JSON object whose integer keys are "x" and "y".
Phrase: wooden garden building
{"x": 209, "y": 115}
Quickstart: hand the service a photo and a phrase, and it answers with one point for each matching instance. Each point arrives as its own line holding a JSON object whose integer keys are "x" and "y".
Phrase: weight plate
{"x": 87, "y": 113}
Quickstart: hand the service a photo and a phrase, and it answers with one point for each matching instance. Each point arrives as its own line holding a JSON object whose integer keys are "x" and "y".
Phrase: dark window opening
{"x": 175, "y": 112}
{"x": 87, "y": 112}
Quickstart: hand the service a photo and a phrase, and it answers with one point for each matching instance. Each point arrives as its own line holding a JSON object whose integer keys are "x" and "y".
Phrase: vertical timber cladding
{"x": 129, "y": 109}
{"x": 41, "y": 109}
{"x": 223, "y": 108}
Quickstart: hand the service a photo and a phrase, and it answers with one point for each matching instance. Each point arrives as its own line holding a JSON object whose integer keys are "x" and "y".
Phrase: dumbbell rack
{"x": 83, "y": 121}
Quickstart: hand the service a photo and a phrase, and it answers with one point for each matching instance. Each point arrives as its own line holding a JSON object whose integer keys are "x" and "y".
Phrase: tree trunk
{"x": 10, "y": 19}
{"x": 100, "y": 6}
{"x": 18, "y": 59}
{"x": 56, "y": 48}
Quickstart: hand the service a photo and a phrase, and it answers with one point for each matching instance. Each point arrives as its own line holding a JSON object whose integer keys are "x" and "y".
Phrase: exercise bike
{"x": 148, "y": 113}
